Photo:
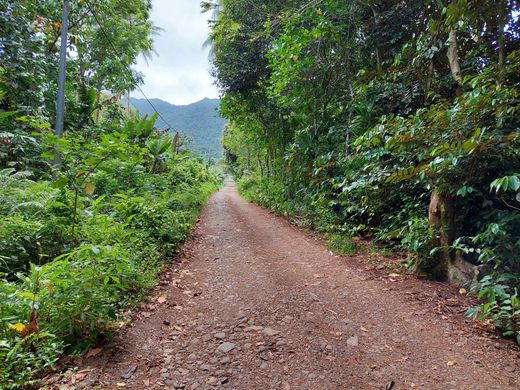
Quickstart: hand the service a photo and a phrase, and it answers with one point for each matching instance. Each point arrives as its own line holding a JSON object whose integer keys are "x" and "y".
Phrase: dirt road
{"x": 258, "y": 304}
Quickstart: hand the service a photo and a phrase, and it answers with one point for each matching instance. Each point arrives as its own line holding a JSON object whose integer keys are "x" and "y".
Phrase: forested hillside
{"x": 393, "y": 120}
{"x": 199, "y": 121}
{"x": 87, "y": 216}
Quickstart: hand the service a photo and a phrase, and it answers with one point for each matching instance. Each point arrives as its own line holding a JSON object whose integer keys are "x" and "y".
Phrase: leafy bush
{"x": 501, "y": 302}
{"x": 76, "y": 250}
{"x": 23, "y": 241}
{"x": 19, "y": 243}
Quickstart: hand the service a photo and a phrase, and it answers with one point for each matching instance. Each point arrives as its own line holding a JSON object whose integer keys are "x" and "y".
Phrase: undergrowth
{"x": 75, "y": 253}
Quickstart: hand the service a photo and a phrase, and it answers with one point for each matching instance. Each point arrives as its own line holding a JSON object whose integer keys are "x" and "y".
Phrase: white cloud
{"x": 179, "y": 73}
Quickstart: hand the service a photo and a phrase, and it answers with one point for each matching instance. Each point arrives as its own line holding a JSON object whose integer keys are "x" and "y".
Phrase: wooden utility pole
{"x": 60, "y": 101}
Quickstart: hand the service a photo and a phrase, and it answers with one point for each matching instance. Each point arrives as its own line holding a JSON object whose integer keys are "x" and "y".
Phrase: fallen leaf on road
{"x": 451, "y": 363}
{"x": 93, "y": 352}
{"x": 318, "y": 276}
{"x": 121, "y": 384}
{"x": 364, "y": 329}
{"x": 211, "y": 379}
{"x": 394, "y": 275}
{"x": 80, "y": 376}
{"x": 463, "y": 291}
{"x": 49, "y": 380}
{"x": 162, "y": 299}
{"x": 129, "y": 372}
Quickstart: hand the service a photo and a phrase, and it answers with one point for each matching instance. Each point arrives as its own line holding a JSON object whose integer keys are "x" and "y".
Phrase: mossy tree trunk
{"x": 441, "y": 213}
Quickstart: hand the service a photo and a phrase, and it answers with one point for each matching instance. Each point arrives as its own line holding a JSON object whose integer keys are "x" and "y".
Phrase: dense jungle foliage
{"x": 397, "y": 120}
{"x": 85, "y": 219}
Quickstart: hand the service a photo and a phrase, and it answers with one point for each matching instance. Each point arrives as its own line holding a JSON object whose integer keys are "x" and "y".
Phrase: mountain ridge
{"x": 199, "y": 120}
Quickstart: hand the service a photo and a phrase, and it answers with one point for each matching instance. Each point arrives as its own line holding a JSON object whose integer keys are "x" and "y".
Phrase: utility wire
{"x": 107, "y": 37}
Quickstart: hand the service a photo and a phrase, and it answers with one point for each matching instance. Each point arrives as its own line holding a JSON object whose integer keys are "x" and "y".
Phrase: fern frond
{"x": 37, "y": 206}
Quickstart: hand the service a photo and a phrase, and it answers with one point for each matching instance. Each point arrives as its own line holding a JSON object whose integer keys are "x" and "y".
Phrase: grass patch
{"x": 342, "y": 244}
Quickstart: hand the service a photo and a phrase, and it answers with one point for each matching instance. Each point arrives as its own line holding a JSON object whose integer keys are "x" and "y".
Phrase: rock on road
{"x": 258, "y": 304}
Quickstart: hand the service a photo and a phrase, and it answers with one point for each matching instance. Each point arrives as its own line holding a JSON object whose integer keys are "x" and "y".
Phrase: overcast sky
{"x": 179, "y": 72}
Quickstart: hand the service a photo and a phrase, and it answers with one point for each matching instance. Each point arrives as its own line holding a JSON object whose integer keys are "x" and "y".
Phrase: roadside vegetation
{"x": 394, "y": 120}
{"x": 87, "y": 219}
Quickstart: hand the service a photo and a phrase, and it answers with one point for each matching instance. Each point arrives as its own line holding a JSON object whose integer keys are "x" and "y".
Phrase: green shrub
{"x": 110, "y": 263}
{"x": 84, "y": 290}
{"x": 68, "y": 302}
{"x": 24, "y": 357}
{"x": 498, "y": 293}
{"x": 24, "y": 241}
{"x": 34, "y": 224}
{"x": 247, "y": 183}
{"x": 20, "y": 243}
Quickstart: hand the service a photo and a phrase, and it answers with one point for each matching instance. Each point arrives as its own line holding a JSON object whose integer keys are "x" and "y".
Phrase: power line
{"x": 107, "y": 37}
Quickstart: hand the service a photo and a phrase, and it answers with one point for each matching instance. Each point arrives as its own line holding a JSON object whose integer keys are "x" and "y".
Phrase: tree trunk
{"x": 441, "y": 213}
{"x": 98, "y": 110}
{"x": 501, "y": 40}
{"x": 128, "y": 112}
{"x": 98, "y": 98}
{"x": 175, "y": 143}
{"x": 377, "y": 52}
{"x": 261, "y": 167}
{"x": 453, "y": 56}
{"x": 431, "y": 66}
{"x": 441, "y": 217}
{"x": 267, "y": 170}
{"x": 453, "y": 49}
{"x": 349, "y": 120}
